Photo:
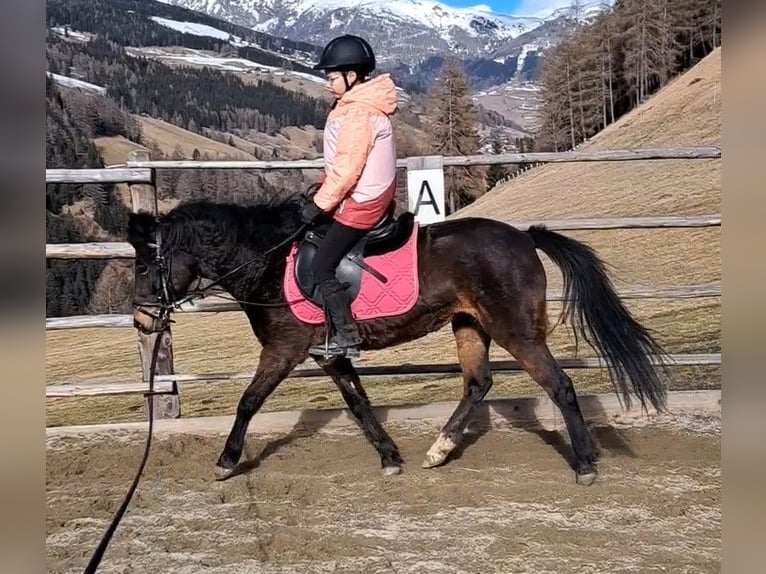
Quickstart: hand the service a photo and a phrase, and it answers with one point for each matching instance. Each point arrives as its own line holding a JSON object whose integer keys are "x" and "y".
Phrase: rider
{"x": 359, "y": 178}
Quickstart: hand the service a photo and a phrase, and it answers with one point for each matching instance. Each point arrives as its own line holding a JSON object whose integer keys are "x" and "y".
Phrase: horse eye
{"x": 142, "y": 268}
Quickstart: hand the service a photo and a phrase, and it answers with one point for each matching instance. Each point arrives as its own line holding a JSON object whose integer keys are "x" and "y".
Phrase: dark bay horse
{"x": 482, "y": 276}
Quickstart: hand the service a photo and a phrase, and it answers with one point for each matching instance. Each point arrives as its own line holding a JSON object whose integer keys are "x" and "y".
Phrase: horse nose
{"x": 143, "y": 319}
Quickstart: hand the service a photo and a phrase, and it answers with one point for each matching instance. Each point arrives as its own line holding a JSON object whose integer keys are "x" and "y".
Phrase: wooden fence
{"x": 139, "y": 172}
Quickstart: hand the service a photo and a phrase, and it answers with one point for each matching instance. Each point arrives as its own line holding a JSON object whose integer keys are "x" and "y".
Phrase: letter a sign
{"x": 425, "y": 188}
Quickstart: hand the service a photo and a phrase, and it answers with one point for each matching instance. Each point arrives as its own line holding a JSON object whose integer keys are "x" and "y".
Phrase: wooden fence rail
{"x": 139, "y": 170}
{"x": 164, "y": 383}
{"x": 641, "y": 154}
{"x": 96, "y": 175}
{"x": 221, "y": 303}
{"x": 122, "y": 250}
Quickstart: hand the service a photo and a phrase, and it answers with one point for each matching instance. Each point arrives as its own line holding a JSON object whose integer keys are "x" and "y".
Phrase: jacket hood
{"x": 378, "y": 92}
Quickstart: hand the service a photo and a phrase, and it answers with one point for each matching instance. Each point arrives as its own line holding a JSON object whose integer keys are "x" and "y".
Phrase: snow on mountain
{"x": 407, "y": 30}
{"x": 525, "y": 49}
{"x": 581, "y": 10}
{"x": 75, "y": 83}
{"x": 201, "y": 58}
{"x": 192, "y": 28}
{"x": 428, "y": 13}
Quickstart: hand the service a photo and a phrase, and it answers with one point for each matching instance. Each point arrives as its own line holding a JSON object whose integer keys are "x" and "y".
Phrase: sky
{"x": 513, "y": 7}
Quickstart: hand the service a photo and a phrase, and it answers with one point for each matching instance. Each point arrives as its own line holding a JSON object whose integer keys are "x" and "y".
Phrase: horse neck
{"x": 241, "y": 267}
{"x": 224, "y": 238}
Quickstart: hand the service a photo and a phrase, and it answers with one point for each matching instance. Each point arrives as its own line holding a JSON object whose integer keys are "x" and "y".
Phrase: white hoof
{"x": 391, "y": 470}
{"x": 439, "y": 452}
{"x": 222, "y": 473}
{"x": 587, "y": 479}
{"x": 432, "y": 460}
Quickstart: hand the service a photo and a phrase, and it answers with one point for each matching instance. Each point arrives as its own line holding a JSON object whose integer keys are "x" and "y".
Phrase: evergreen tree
{"x": 452, "y": 125}
{"x": 496, "y": 171}
{"x": 602, "y": 69}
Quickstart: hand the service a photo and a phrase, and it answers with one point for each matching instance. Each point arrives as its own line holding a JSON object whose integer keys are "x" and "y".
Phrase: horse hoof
{"x": 222, "y": 473}
{"x": 439, "y": 452}
{"x": 587, "y": 479}
{"x": 391, "y": 470}
{"x": 434, "y": 459}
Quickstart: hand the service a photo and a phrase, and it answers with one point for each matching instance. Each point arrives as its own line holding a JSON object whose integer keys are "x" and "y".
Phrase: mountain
{"x": 502, "y": 55}
{"x": 180, "y": 37}
{"x": 407, "y": 31}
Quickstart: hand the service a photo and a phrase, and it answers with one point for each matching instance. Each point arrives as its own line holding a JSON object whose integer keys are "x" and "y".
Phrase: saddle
{"x": 389, "y": 234}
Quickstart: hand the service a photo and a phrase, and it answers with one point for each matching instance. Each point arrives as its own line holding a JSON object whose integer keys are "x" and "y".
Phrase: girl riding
{"x": 359, "y": 176}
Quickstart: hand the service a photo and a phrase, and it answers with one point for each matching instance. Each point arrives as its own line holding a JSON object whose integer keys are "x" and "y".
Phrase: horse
{"x": 482, "y": 276}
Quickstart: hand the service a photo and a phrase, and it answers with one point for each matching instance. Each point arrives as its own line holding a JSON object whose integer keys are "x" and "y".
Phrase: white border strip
{"x": 532, "y": 411}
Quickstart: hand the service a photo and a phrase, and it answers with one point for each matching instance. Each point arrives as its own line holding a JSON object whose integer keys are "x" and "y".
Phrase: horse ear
{"x": 141, "y": 228}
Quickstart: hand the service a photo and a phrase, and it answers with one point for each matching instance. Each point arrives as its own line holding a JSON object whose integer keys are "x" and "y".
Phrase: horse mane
{"x": 229, "y": 225}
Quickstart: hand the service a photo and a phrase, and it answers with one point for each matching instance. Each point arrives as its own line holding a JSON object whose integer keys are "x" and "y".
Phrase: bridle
{"x": 163, "y": 305}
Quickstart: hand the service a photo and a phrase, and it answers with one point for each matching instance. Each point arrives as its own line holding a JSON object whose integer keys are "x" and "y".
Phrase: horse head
{"x": 163, "y": 269}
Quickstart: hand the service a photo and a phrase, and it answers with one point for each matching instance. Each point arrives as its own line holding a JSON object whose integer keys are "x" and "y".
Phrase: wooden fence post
{"x": 165, "y": 406}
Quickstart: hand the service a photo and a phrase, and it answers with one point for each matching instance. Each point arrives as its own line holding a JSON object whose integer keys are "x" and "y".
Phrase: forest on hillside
{"x": 186, "y": 97}
{"x": 603, "y": 69}
{"x": 127, "y": 22}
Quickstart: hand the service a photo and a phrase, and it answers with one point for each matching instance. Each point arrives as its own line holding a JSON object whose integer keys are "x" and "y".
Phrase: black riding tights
{"x": 337, "y": 243}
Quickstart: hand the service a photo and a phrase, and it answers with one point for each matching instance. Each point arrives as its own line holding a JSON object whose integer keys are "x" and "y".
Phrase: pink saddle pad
{"x": 375, "y": 299}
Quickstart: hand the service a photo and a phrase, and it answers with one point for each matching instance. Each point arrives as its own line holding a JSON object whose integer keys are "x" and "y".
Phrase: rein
{"x": 198, "y": 294}
{"x": 164, "y": 306}
{"x": 98, "y": 554}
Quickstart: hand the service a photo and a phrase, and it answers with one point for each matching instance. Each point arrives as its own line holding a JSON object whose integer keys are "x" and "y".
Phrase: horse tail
{"x": 592, "y": 306}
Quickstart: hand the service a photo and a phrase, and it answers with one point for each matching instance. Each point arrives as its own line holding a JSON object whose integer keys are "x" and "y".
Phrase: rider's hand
{"x": 310, "y": 212}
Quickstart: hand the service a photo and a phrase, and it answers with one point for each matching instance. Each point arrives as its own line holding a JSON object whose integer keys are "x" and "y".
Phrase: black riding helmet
{"x": 345, "y": 53}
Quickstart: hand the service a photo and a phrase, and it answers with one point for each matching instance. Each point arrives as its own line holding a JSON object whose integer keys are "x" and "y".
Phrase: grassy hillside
{"x": 686, "y": 112}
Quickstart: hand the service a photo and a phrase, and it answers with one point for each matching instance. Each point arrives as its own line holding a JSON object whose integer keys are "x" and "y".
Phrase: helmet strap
{"x": 360, "y": 79}
{"x": 345, "y": 79}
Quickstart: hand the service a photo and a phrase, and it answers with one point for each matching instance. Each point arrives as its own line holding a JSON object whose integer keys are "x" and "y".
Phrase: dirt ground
{"x": 316, "y": 501}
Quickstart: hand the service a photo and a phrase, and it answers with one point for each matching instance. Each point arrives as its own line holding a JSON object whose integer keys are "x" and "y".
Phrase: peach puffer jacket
{"x": 360, "y": 154}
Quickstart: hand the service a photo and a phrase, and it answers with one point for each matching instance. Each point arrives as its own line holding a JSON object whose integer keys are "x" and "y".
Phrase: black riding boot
{"x": 345, "y": 340}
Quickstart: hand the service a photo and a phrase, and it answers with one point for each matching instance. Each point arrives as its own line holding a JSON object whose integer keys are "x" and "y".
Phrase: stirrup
{"x": 333, "y": 351}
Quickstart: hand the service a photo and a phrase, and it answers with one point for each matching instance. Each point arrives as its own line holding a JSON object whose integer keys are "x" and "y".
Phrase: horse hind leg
{"x": 536, "y": 358}
{"x": 473, "y": 354}
{"x": 518, "y": 323}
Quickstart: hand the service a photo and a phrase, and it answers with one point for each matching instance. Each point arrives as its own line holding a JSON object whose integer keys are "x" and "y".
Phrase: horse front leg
{"x": 273, "y": 367}
{"x": 342, "y": 372}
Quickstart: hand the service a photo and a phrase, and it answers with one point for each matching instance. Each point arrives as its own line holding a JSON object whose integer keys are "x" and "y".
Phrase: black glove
{"x": 310, "y": 212}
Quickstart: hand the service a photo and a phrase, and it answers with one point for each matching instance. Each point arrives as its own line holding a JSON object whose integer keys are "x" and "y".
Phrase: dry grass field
{"x": 293, "y": 143}
{"x": 686, "y": 112}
